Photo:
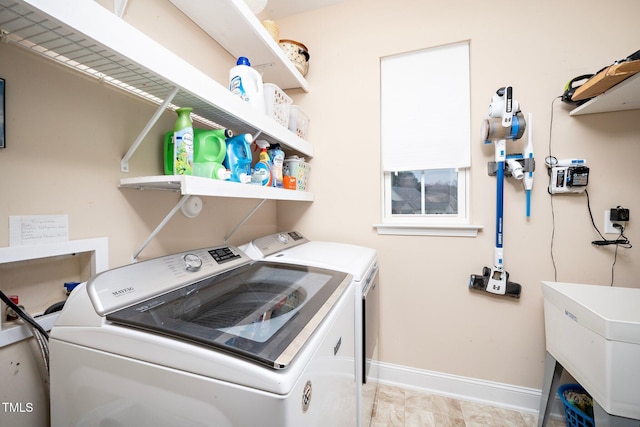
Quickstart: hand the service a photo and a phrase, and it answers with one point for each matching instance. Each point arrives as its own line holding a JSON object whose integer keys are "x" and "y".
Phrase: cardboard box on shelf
{"x": 605, "y": 79}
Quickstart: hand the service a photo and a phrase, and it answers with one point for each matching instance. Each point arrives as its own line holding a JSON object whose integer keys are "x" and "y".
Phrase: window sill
{"x": 449, "y": 230}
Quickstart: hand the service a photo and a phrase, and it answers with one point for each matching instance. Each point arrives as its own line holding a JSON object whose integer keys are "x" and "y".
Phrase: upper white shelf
{"x": 232, "y": 24}
{"x": 87, "y": 37}
{"x": 198, "y": 186}
{"x": 623, "y": 96}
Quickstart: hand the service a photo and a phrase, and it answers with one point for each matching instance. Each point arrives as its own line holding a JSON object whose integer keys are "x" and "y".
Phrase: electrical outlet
{"x": 608, "y": 224}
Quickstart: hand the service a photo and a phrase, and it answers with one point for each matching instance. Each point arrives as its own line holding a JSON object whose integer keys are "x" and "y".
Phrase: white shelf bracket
{"x": 228, "y": 236}
{"x": 124, "y": 163}
{"x": 160, "y": 226}
{"x": 119, "y": 7}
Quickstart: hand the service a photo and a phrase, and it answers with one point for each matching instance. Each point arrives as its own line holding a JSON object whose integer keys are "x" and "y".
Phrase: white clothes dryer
{"x": 206, "y": 338}
{"x": 361, "y": 263}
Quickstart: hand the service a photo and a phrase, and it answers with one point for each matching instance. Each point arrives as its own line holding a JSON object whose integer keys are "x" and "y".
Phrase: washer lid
{"x": 352, "y": 259}
{"x": 263, "y": 311}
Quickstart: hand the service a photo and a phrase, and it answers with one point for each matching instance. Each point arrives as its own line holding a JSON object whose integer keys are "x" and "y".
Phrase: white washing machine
{"x": 361, "y": 263}
{"x": 206, "y": 338}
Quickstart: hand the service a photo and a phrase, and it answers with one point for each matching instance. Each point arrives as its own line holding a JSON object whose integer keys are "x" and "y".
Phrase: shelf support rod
{"x": 228, "y": 236}
{"x": 124, "y": 163}
{"x": 160, "y": 226}
{"x": 119, "y": 6}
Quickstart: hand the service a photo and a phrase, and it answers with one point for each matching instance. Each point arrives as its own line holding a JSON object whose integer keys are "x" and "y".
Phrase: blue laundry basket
{"x": 575, "y": 417}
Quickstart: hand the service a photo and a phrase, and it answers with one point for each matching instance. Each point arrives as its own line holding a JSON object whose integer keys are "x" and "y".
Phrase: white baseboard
{"x": 508, "y": 396}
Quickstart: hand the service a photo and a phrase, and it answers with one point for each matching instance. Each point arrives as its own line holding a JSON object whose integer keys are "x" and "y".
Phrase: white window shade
{"x": 425, "y": 109}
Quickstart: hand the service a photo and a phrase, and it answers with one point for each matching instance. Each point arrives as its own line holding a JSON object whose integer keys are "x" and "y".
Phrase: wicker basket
{"x": 278, "y": 104}
{"x": 272, "y": 29}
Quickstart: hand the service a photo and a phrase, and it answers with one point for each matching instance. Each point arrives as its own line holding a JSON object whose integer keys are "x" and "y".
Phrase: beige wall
{"x": 430, "y": 320}
{"x": 66, "y": 135}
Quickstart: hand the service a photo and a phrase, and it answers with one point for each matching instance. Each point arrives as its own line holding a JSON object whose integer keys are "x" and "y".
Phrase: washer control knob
{"x": 283, "y": 238}
{"x": 192, "y": 262}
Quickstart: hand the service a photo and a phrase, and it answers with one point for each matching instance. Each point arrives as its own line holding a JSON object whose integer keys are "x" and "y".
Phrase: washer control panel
{"x": 273, "y": 243}
{"x": 120, "y": 287}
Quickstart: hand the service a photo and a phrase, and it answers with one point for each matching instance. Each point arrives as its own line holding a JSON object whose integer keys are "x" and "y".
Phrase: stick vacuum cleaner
{"x": 505, "y": 122}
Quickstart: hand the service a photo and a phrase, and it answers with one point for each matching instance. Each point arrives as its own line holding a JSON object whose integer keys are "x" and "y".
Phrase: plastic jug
{"x": 238, "y": 158}
{"x": 213, "y": 170}
{"x": 208, "y": 146}
{"x": 210, "y": 151}
{"x": 246, "y": 82}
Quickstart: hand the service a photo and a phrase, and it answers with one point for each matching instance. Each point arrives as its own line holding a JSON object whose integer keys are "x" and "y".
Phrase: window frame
{"x": 428, "y": 224}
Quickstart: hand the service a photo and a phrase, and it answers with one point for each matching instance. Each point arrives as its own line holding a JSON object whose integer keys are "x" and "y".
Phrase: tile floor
{"x": 398, "y": 407}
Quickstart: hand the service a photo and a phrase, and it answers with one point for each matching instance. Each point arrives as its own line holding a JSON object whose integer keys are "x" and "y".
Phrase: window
{"x": 425, "y": 132}
{"x": 424, "y": 192}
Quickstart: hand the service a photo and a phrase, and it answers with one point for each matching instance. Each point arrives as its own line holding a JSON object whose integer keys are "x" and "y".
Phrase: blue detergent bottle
{"x": 238, "y": 158}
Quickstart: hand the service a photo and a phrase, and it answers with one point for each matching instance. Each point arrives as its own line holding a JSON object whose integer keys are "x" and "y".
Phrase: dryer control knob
{"x": 283, "y": 238}
{"x": 192, "y": 262}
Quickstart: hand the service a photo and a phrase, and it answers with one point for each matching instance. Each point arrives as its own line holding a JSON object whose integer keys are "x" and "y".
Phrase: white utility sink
{"x": 594, "y": 333}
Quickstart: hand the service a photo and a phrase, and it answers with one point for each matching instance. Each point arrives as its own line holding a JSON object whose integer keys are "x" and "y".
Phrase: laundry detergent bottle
{"x": 246, "y": 82}
{"x": 210, "y": 149}
{"x": 238, "y": 158}
{"x": 183, "y": 142}
{"x": 210, "y": 145}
